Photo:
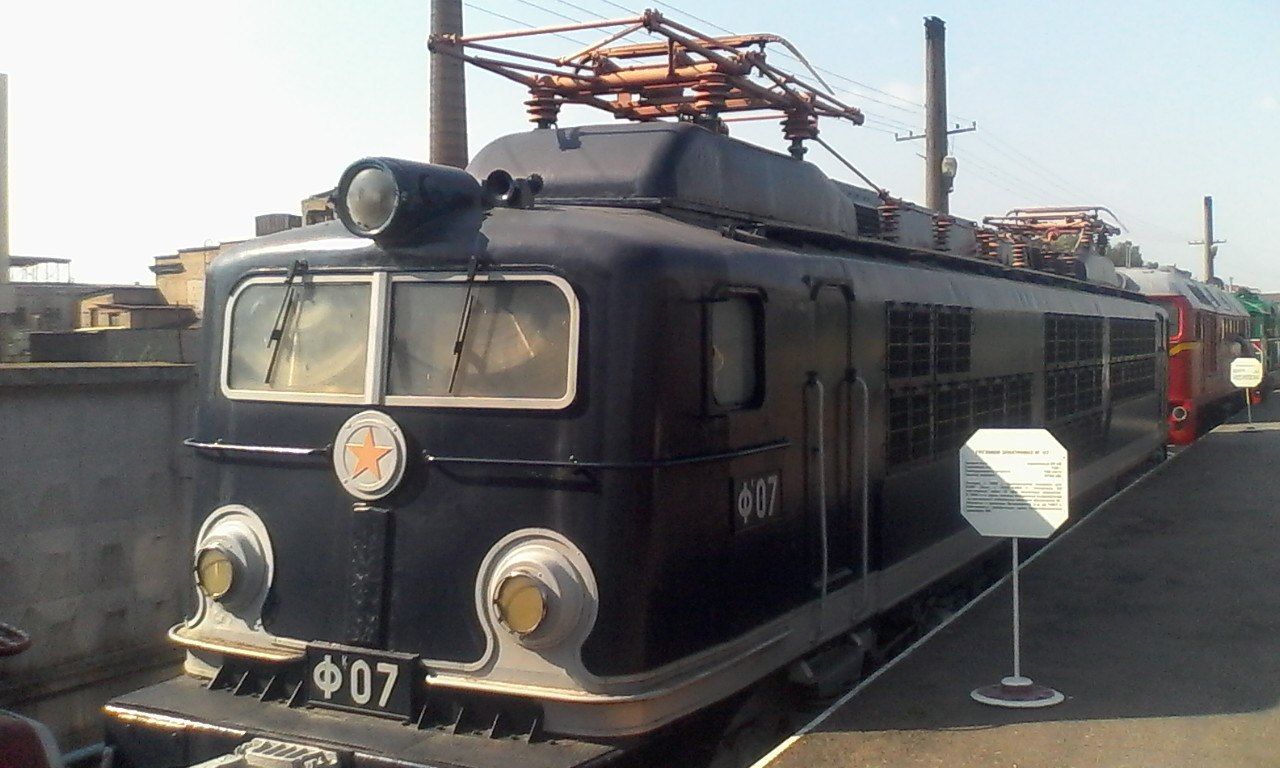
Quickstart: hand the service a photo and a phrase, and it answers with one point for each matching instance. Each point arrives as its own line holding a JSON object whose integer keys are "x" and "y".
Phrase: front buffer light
{"x": 232, "y": 558}
{"x": 398, "y": 202}
{"x": 521, "y": 602}
{"x": 215, "y": 572}
{"x": 538, "y": 587}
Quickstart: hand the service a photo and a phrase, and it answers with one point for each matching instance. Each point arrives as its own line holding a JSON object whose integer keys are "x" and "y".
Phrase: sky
{"x": 140, "y": 127}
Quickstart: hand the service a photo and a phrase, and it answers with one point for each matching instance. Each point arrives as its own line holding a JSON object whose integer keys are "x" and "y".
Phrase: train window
{"x": 491, "y": 342}
{"x": 734, "y": 349}
{"x": 311, "y": 337}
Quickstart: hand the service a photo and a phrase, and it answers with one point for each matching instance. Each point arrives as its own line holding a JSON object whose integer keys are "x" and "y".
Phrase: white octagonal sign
{"x": 1013, "y": 482}
{"x": 1246, "y": 372}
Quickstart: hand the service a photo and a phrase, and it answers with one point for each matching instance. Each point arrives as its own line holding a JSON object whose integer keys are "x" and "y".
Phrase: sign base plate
{"x": 1017, "y": 693}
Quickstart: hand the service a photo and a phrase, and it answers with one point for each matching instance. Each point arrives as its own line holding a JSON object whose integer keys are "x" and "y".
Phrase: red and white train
{"x": 1208, "y": 328}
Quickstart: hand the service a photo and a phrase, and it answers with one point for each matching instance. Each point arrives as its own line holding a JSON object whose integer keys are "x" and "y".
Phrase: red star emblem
{"x": 367, "y": 454}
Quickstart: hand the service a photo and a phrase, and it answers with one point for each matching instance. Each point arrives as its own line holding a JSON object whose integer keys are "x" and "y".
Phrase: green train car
{"x": 1264, "y": 335}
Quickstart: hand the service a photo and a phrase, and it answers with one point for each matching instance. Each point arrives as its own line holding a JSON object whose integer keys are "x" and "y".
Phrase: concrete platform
{"x": 1158, "y": 617}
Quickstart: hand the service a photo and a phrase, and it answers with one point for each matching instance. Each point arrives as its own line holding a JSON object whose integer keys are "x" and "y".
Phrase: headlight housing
{"x": 232, "y": 560}
{"x": 538, "y": 588}
{"x": 400, "y": 201}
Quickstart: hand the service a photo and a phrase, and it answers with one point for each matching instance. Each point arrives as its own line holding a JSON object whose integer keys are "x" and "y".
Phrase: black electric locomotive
{"x": 597, "y": 433}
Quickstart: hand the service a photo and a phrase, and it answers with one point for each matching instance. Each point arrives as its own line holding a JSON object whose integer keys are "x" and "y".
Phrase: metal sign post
{"x": 1013, "y": 482}
{"x": 1246, "y": 372}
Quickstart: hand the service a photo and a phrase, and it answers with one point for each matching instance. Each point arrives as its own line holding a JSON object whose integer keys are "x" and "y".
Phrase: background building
{"x": 180, "y": 276}
{"x": 134, "y": 307}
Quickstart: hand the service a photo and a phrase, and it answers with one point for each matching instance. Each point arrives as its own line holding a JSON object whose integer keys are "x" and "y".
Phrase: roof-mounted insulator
{"x": 988, "y": 244}
{"x": 710, "y": 93}
{"x": 543, "y": 106}
{"x": 798, "y": 126}
{"x": 942, "y": 231}
{"x": 1019, "y": 254}
{"x": 890, "y": 215}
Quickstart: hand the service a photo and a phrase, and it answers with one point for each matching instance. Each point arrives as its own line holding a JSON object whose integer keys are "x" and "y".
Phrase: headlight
{"x": 371, "y": 199}
{"x": 400, "y": 201}
{"x": 232, "y": 563}
{"x": 521, "y": 602}
{"x": 538, "y": 586}
{"x": 215, "y": 572}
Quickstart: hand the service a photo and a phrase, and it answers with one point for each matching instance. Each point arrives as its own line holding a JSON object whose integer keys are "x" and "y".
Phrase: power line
{"x": 1027, "y": 186}
{"x": 1017, "y": 155}
{"x": 526, "y": 24}
{"x": 579, "y": 8}
{"x": 993, "y": 181}
{"x": 622, "y": 8}
{"x": 544, "y": 9}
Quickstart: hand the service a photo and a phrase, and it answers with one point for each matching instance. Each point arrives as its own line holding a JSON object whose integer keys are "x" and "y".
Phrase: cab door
{"x": 833, "y": 412}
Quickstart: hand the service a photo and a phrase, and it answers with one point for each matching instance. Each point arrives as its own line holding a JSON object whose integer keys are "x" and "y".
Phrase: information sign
{"x": 1013, "y": 482}
{"x": 1246, "y": 372}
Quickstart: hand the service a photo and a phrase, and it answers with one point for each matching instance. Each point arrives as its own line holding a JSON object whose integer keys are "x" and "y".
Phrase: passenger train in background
{"x": 607, "y": 428}
{"x": 1264, "y": 336}
{"x": 1208, "y": 328}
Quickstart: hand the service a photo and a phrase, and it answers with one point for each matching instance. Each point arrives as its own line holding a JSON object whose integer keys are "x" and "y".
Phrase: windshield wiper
{"x": 463, "y": 322}
{"x": 282, "y": 316}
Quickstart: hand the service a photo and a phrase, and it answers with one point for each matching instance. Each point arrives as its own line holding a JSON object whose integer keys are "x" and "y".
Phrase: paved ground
{"x": 1158, "y": 618}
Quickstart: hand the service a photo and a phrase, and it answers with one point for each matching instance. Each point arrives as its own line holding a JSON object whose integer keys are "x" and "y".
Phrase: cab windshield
{"x": 512, "y": 341}
{"x": 309, "y": 337}
{"x": 486, "y": 341}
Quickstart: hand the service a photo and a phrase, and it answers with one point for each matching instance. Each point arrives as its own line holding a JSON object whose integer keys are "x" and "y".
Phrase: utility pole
{"x": 448, "y": 103}
{"x": 4, "y": 180}
{"x": 1208, "y": 242}
{"x": 7, "y": 303}
{"x": 935, "y": 113}
{"x": 939, "y": 167}
{"x": 6, "y": 291}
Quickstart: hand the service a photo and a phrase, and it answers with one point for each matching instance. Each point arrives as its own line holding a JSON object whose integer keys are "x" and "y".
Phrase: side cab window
{"x": 734, "y": 345}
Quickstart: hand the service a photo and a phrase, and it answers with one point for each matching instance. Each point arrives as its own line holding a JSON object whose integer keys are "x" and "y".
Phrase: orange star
{"x": 367, "y": 456}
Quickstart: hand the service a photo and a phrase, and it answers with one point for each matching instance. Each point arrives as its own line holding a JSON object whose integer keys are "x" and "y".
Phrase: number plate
{"x": 366, "y": 681}
{"x": 756, "y": 500}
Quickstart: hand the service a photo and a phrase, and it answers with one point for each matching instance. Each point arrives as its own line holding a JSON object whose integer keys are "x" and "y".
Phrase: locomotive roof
{"x": 1256, "y": 304}
{"x": 678, "y": 164}
{"x": 1169, "y": 282}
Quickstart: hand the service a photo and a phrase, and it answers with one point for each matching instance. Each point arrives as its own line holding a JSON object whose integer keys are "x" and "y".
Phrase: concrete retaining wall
{"x": 93, "y": 542}
{"x": 153, "y": 345}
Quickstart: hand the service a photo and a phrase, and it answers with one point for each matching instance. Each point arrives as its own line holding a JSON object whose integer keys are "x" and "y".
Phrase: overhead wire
{"x": 545, "y": 9}
{"x": 1026, "y": 185}
{"x": 524, "y": 24}
{"x": 1020, "y": 158}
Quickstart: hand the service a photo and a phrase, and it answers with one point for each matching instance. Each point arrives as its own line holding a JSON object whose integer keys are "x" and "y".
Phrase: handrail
{"x": 574, "y": 463}
{"x": 275, "y": 450}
